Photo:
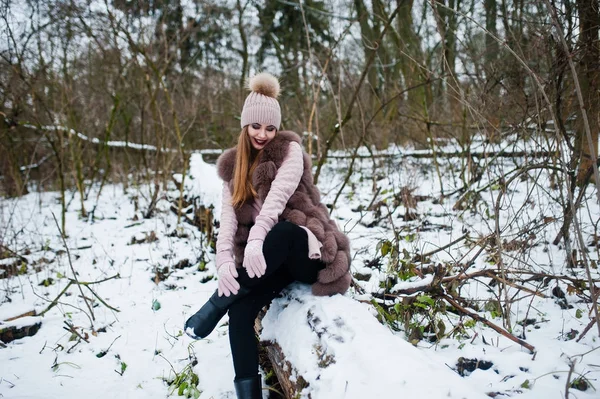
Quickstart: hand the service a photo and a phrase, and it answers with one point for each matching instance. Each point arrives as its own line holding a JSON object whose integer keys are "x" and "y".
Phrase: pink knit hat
{"x": 261, "y": 105}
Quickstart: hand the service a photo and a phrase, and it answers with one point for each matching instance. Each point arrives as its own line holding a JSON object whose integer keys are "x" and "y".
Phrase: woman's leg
{"x": 242, "y": 315}
{"x": 286, "y": 245}
{"x": 285, "y": 248}
{"x": 286, "y": 255}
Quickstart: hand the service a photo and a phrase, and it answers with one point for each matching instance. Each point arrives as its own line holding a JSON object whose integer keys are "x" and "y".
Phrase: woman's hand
{"x": 254, "y": 260}
{"x": 228, "y": 285}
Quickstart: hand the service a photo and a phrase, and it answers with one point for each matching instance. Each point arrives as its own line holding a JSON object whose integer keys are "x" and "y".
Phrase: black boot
{"x": 248, "y": 388}
{"x": 205, "y": 320}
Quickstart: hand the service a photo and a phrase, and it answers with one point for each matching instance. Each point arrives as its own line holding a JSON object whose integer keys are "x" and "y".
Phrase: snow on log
{"x": 333, "y": 347}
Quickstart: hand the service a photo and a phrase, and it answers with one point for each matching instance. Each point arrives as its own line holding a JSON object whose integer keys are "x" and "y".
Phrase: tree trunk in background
{"x": 244, "y": 50}
{"x": 447, "y": 10}
{"x": 169, "y": 30}
{"x": 9, "y": 168}
{"x": 589, "y": 79}
{"x": 369, "y": 36}
{"x": 388, "y": 78}
{"x": 492, "y": 69}
{"x": 560, "y": 77}
{"x": 411, "y": 59}
{"x": 491, "y": 45}
{"x": 513, "y": 78}
{"x": 447, "y": 16}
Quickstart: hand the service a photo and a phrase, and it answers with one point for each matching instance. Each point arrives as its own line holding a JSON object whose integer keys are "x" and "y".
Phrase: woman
{"x": 274, "y": 231}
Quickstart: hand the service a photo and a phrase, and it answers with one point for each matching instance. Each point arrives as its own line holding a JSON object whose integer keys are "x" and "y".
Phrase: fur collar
{"x": 274, "y": 151}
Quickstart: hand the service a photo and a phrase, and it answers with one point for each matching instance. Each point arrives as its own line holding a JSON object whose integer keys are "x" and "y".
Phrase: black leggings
{"x": 286, "y": 254}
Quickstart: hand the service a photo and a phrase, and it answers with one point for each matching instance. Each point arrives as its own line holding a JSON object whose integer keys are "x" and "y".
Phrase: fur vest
{"x": 304, "y": 208}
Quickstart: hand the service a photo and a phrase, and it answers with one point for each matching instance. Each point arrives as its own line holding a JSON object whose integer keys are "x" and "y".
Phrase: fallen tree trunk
{"x": 454, "y": 154}
{"x": 289, "y": 386}
{"x": 323, "y": 347}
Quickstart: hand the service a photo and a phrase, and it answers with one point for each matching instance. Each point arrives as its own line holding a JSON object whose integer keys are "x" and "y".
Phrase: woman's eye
{"x": 271, "y": 128}
{"x": 255, "y": 126}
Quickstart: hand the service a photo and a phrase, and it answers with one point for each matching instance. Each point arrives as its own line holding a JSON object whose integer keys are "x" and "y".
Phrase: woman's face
{"x": 260, "y": 135}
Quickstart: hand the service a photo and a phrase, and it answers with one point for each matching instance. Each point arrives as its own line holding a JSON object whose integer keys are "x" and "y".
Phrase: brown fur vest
{"x": 304, "y": 208}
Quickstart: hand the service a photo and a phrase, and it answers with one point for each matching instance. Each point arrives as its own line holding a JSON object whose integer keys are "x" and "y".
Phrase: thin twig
{"x": 488, "y": 323}
{"x": 586, "y": 329}
{"x": 55, "y": 301}
{"x": 102, "y": 301}
{"x": 435, "y": 251}
{"x": 98, "y": 281}
{"x": 72, "y": 268}
{"x": 73, "y": 330}
{"x": 568, "y": 383}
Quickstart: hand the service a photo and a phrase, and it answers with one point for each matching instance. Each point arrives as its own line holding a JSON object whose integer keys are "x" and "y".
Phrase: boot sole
{"x": 189, "y": 331}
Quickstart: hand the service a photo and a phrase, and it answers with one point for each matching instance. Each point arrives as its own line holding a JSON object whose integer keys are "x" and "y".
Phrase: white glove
{"x": 254, "y": 260}
{"x": 228, "y": 285}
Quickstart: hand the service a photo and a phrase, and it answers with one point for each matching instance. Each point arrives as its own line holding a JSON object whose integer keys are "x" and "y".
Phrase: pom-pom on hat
{"x": 261, "y": 105}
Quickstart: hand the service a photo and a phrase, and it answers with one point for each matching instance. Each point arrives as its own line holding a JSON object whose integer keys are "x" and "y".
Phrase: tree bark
{"x": 244, "y": 50}
{"x": 589, "y": 78}
{"x": 289, "y": 387}
{"x": 369, "y": 37}
{"x": 409, "y": 43}
{"x": 9, "y": 167}
{"x": 491, "y": 48}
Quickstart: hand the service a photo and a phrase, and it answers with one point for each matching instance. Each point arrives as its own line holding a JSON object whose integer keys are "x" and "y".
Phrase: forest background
{"x": 100, "y": 92}
{"x": 171, "y": 74}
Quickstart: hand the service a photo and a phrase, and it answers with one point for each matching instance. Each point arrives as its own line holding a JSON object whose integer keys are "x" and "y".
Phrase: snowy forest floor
{"x": 122, "y": 335}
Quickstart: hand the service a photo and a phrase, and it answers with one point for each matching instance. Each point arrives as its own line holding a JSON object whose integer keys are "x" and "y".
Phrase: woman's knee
{"x": 284, "y": 232}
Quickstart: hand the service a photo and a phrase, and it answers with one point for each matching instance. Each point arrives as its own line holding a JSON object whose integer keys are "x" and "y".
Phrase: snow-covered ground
{"x": 336, "y": 344}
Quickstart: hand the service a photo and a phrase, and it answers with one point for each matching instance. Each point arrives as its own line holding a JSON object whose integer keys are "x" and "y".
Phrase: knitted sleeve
{"x": 227, "y": 230}
{"x": 284, "y": 185}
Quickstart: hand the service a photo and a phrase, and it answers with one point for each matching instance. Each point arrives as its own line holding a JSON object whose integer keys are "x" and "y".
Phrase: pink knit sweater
{"x": 265, "y": 215}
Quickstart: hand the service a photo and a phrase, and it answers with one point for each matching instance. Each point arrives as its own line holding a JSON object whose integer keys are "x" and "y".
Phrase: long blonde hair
{"x": 246, "y": 160}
